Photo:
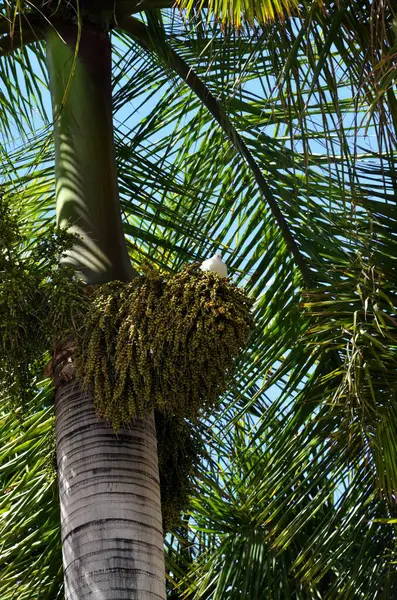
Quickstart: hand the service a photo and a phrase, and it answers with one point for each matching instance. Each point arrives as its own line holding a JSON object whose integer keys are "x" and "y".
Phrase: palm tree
{"x": 291, "y": 215}
{"x": 109, "y": 487}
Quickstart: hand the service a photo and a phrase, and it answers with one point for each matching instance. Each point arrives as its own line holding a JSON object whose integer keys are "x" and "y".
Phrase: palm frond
{"x": 31, "y": 561}
{"x": 235, "y": 13}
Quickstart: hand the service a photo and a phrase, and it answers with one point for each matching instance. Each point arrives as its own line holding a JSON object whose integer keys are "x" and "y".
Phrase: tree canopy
{"x": 274, "y": 142}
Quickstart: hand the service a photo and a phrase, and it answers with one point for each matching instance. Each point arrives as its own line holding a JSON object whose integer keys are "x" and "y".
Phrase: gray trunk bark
{"x": 110, "y": 504}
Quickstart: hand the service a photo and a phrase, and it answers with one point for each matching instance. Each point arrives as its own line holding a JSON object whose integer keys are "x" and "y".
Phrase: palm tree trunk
{"x": 110, "y": 504}
{"x": 108, "y": 484}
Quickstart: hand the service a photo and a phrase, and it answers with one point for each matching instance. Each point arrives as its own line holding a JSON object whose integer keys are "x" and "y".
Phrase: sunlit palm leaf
{"x": 235, "y": 12}
{"x": 30, "y": 551}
